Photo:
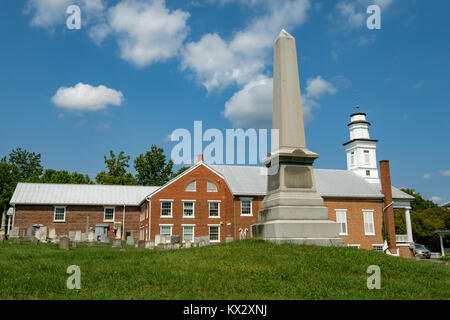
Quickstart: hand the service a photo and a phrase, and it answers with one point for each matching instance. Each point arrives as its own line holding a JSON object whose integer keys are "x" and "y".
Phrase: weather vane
{"x": 356, "y": 99}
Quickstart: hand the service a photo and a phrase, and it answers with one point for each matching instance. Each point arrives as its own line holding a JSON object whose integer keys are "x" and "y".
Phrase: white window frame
{"x": 366, "y": 223}
{"x": 104, "y": 214}
{"x": 218, "y": 209}
{"x": 195, "y": 184}
{"x": 339, "y": 214}
{"x": 218, "y": 232}
{"x": 352, "y": 158}
{"x": 171, "y": 230}
{"x": 193, "y": 231}
{"x": 354, "y": 246}
{"x": 160, "y": 208}
{"x": 377, "y": 245}
{"x": 215, "y": 186}
{"x": 193, "y": 209}
{"x": 54, "y": 213}
{"x": 366, "y": 157}
{"x": 251, "y": 207}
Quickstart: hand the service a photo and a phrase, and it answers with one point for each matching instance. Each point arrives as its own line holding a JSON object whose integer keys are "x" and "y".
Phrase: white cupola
{"x": 361, "y": 150}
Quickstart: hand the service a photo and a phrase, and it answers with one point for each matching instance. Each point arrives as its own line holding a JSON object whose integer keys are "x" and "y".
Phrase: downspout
{"x": 149, "y": 207}
{"x": 123, "y": 222}
{"x": 234, "y": 211}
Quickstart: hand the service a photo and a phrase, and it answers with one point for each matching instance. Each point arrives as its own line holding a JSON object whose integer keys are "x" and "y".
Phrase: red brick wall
{"x": 355, "y": 220}
{"x": 76, "y": 216}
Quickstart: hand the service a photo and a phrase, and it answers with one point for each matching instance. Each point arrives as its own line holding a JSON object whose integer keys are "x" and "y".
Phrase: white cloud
{"x": 218, "y": 63}
{"x": 146, "y": 31}
{"x": 252, "y": 106}
{"x": 427, "y": 176}
{"x": 445, "y": 173}
{"x": 50, "y": 13}
{"x": 84, "y": 97}
{"x": 437, "y": 199}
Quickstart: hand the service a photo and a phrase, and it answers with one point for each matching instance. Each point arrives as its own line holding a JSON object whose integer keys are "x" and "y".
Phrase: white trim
{"x": 251, "y": 206}
{"x": 218, "y": 232}
{"x": 195, "y": 190}
{"x": 218, "y": 209}
{"x": 364, "y": 211}
{"x": 342, "y": 211}
{"x": 54, "y": 213}
{"x": 351, "y": 245}
{"x": 193, "y": 231}
{"x": 193, "y": 209}
{"x": 160, "y": 208}
{"x": 185, "y": 173}
{"x": 104, "y": 214}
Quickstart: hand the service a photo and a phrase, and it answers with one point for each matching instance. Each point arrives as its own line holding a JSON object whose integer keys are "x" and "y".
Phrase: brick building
{"x": 219, "y": 201}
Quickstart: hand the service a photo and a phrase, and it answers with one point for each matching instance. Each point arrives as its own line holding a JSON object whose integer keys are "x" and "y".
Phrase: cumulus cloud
{"x": 146, "y": 31}
{"x": 427, "y": 176}
{"x": 50, "y": 13}
{"x": 437, "y": 199}
{"x": 84, "y": 97}
{"x": 218, "y": 63}
{"x": 252, "y": 106}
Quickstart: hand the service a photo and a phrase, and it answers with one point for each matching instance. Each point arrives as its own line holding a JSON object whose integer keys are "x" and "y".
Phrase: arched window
{"x": 191, "y": 186}
{"x": 211, "y": 186}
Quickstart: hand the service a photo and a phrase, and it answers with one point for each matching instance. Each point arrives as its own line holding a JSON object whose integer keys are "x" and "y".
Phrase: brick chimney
{"x": 200, "y": 158}
{"x": 385, "y": 177}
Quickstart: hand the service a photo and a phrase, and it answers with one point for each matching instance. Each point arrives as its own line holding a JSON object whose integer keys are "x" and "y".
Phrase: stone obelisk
{"x": 292, "y": 210}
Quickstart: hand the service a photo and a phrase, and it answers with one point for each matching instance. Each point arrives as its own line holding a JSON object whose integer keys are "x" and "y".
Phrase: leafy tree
{"x": 117, "y": 170}
{"x": 419, "y": 203}
{"x": 180, "y": 171}
{"x": 8, "y": 182}
{"x": 63, "y": 176}
{"x": 151, "y": 167}
{"x": 28, "y": 164}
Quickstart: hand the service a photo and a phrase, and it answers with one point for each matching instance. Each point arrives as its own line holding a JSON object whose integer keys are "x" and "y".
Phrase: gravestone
{"x": 141, "y": 244}
{"x": 187, "y": 244}
{"x": 29, "y": 234}
{"x": 149, "y": 244}
{"x": 157, "y": 239}
{"x": 229, "y": 239}
{"x": 161, "y": 246}
{"x": 2, "y": 236}
{"x": 91, "y": 236}
{"x": 77, "y": 237}
{"x": 34, "y": 241}
{"x": 130, "y": 240}
{"x": 14, "y": 233}
{"x": 41, "y": 234}
{"x": 117, "y": 243}
{"x": 84, "y": 237}
{"x": 74, "y": 244}
{"x": 64, "y": 243}
{"x": 52, "y": 234}
{"x": 90, "y": 244}
{"x": 176, "y": 246}
{"x": 175, "y": 239}
{"x": 72, "y": 235}
{"x": 105, "y": 240}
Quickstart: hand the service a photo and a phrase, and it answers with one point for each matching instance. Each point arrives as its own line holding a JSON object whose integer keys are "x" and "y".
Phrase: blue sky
{"x": 145, "y": 68}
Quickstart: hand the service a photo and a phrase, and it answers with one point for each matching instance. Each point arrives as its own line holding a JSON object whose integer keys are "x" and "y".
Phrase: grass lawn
{"x": 250, "y": 269}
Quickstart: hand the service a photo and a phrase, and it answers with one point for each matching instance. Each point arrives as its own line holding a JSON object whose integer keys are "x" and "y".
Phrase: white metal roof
{"x": 251, "y": 180}
{"x": 79, "y": 194}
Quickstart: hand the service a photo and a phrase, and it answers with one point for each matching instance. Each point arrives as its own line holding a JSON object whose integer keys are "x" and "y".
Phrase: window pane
{"x": 188, "y": 209}
{"x": 214, "y": 233}
{"x": 60, "y": 214}
{"x": 188, "y": 233}
{"x": 191, "y": 186}
{"x": 211, "y": 187}
{"x": 246, "y": 207}
{"x": 109, "y": 214}
{"x": 166, "y": 208}
{"x": 166, "y": 230}
{"x": 213, "y": 209}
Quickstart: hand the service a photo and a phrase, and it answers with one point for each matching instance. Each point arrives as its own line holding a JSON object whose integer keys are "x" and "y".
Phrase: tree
{"x": 64, "y": 177}
{"x": 117, "y": 170}
{"x": 180, "y": 171}
{"x": 28, "y": 164}
{"x": 8, "y": 182}
{"x": 151, "y": 167}
{"x": 419, "y": 203}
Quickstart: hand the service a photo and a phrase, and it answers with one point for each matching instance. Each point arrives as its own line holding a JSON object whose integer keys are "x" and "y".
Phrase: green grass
{"x": 251, "y": 269}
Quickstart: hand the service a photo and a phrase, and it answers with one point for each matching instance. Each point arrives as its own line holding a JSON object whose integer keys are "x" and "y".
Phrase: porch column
{"x": 408, "y": 225}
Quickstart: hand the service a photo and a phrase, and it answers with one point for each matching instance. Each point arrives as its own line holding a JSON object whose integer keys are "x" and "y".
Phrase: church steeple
{"x": 361, "y": 150}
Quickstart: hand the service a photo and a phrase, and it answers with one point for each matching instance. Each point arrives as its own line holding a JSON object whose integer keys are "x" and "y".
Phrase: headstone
{"x": 34, "y": 241}
{"x": 161, "y": 246}
{"x": 292, "y": 210}
{"x": 163, "y": 238}
{"x": 105, "y": 240}
{"x": 175, "y": 239}
{"x": 187, "y": 244}
{"x": 117, "y": 243}
{"x": 77, "y": 237}
{"x": 72, "y": 235}
{"x": 118, "y": 227}
{"x": 91, "y": 236}
{"x": 52, "y": 234}
{"x": 149, "y": 244}
{"x": 29, "y": 234}
{"x": 229, "y": 239}
{"x": 176, "y": 246}
{"x": 64, "y": 243}
{"x": 84, "y": 237}
{"x": 141, "y": 244}
{"x": 14, "y": 233}
{"x": 157, "y": 239}
{"x": 90, "y": 244}
{"x": 130, "y": 241}
{"x": 41, "y": 234}
{"x": 74, "y": 244}
{"x": 2, "y": 236}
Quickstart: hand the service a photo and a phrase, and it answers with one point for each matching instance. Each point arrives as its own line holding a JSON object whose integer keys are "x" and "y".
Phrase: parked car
{"x": 422, "y": 251}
